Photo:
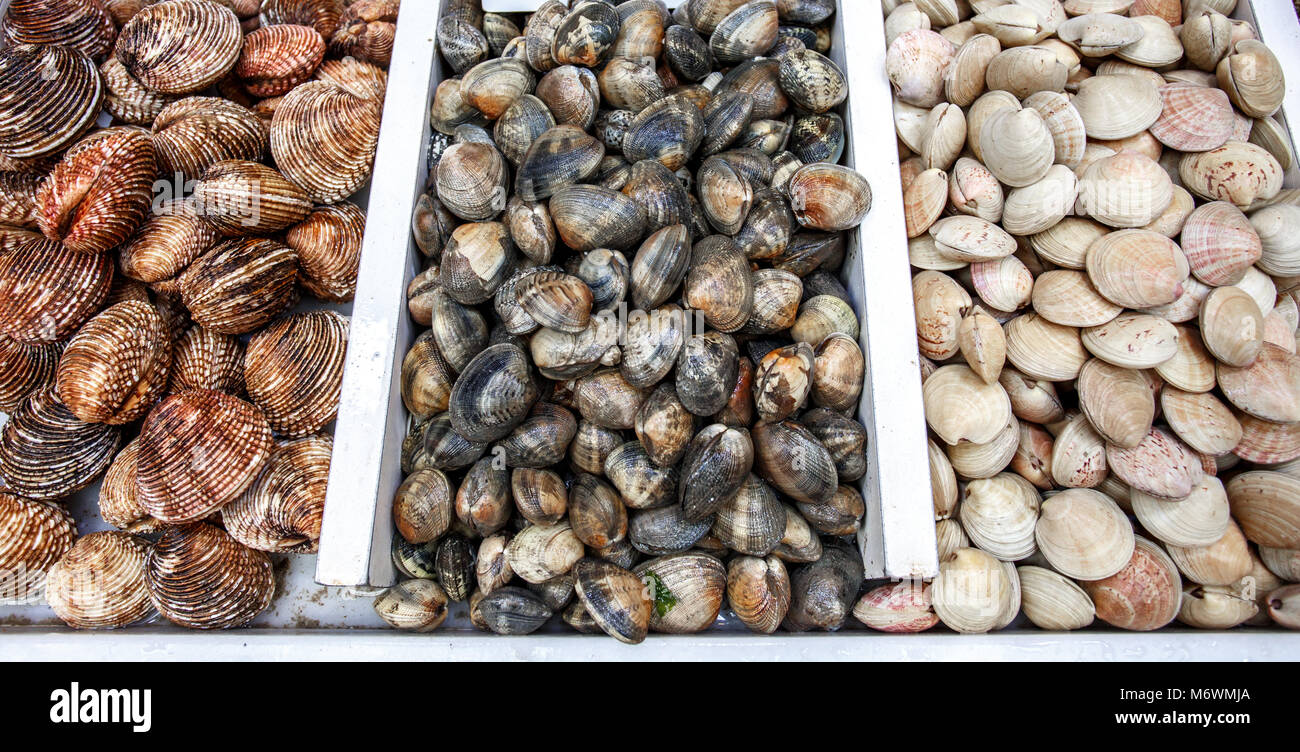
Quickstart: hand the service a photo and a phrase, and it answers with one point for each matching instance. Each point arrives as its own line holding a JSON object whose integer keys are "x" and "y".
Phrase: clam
{"x": 539, "y": 35}
{"x": 664, "y": 426}
{"x": 1133, "y": 340}
{"x": 642, "y": 483}
{"x": 472, "y": 181}
{"x": 1159, "y": 45}
{"x": 37, "y": 535}
{"x": 596, "y": 512}
{"x": 607, "y": 399}
{"x": 181, "y": 46}
{"x": 422, "y": 506}
{"x": 924, "y": 201}
{"x": 592, "y": 444}
{"x": 1239, "y": 173}
{"x": 1280, "y": 251}
{"x": 812, "y": 478}
{"x": 1222, "y": 562}
{"x": 99, "y": 582}
{"x": 419, "y": 605}
{"x": 1040, "y": 205}
{"x": 1144, "y": 595}
{"x": 366, "y": 32}
{"x": 165, "y": 244}
{"x": 1023, "y": 71}
{"x": 427, "y": 378}
{"x": 1269, "y": 388}
{"x": 49, "y": 290}
{"x": 669, "y": 130}
{"x": 321, "y": 15}
{"x": 686, "y": 589}
{"x": 276, "y": 58}
{"x": 85, "y": 26}
{"x": 822, "y": 593}
{"x": 540, "y": 495}
{"x": 1084, "y": 535}
{"x": 1017, "y": 146}
{"x": 514, "y": 610}
{"x": 1053, "y": 602}
{"x": 970, "y": 591}
{"x": 493, "y": 394}
{"x": 1117, "y": 401}
{"x": 986, "y": 407}
{"x": 589, "y": 217}
{"x": 999, "y": 515}
{"x": 1220, "y": 243}
{"x": 1201, "y": 519}
{"x": 964, "y": 80}
{"x": 916, "y": 63}
{"x": 201, "y": 578}
{"x": 1126, "y": 189}
{"x": 758, "y": 590}
{"x": 821, "y": 316}
{"x": 665, "y": 530}
{"x": 715, "y": 465}
{"x": 1194, "y": 118}
{"x": 440, "y": 447}
{"x": 483, "y": 499}
{"x": 630, "y": 84}
{"x": 1137, "y": 268}
{"x": 1069, "y": 298}
{"x": 1267, "y": 506}
{"x": 615, "y": 598}
{"x": 92, "y": 217}
{"x": 1253, "y": 78}
{"x": 830, "y": 198}
{"x": 1216, "y": 606}
{"x": 812, "y": 80}
{"x": 293, "y": 371}
{"x": 116, "y": 366}
{"x": 706, "y": 372}
{"x": 73, "y": 93}
{"x": 1201, "y": 420}
{"x": 282, "y": 510}
{"x": 119, "y": 498}
{"x": 492, "y": 566}
{"x": 245, "y": 198}
{"x": 542, "y": 552}
{"x": 461, "y": 43}
{"x": 1232, "y": 327}
{"x": 903, "y": 607}
{"x": 46, "y": 452}
{"x": 1267, "y": 443}
{"x": 453, "y": 564}
{"x": 1044, "y": 350}
{"x": 24, "y": 369}
{"x": 541, "y": 440}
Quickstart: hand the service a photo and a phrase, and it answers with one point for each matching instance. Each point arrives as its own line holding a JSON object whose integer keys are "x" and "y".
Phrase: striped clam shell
{"x": 166, "y": 244}
{"x": 100, "y": 192}
{"x": 192, "y": 134}
{"x": 201, "y": 578}
{"x": 83, "y": 24}
{"x": 247, "y": 198}
{"x": 12, "y": 237}
{"x": 47, "y": 453}
{"x": 33, "y": 536}
{"x": 362, "y": 79}
{"x": 277, "y": 58}
{"x": 126, "y": 98}
{"x": 204, "y": 359}
{"x": 294, "y": 368}
{"x": 180, "y": 46}
{"x": 18, "y": 207}
{"x": 321, "y": 15}
{"x": 323, "y": 138}
{"x": 199, "y": 450}
{"x": 1220, "y": 243}
{"x": 123, "y": 10}
{"x": 240, "y": 285}
{"x": 328, "y": 243}
{"x": 366, "y": 31}
{"x": 119, "y": 494}
{"x": 281, "y": 511}
{"x": 116, "y": 366}
{"x": 49, "y": 95}
{"x": 47, "y": 291}
{"x": 99, "y": 583}
{"x": 24, "y": 369}
{"x": 1194, "y": 118}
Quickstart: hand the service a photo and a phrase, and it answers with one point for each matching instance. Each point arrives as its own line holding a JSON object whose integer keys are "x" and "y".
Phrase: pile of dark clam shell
{"x": 633, "y": 401}
{"x": 149, "y": 274}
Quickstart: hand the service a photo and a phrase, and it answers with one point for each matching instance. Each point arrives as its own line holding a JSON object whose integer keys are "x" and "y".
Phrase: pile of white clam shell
{"x": 1106, "y": 278}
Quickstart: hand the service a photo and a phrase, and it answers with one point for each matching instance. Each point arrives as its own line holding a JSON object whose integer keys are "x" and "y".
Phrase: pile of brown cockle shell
{"x": 633, "y": 401}
{"x": 149, "y": 278}
{"x": 1106, "y": 279}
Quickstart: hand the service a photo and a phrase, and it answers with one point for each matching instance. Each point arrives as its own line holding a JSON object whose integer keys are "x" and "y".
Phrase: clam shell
{"x": 231, "y": 436}
{"x": 274, "y": 59}
{"x": 1200, "y": 420}
{"x": 117, "y": 365}
{"x": 1267, "y": 505}
{"x": 1144, "y": 596}
{"x": 1237, "y": 172}
{"x": 1097, "y": 34}
{"x": 543, "y": 552}
{"x": 1069, "y": 298}
{"x": 1268, "y": 389}
{"x": 1127, "y": 189}
{"x": 367, "y": 32}
{"x": 1017, "y": 146}
{"x": 971, "y": 239}
{"x": 960, "y": 406}
{"x": 616, "y": 598}
{"x": 1194, "y": 118}
{"x": 1267, "y": 443}
{"x": 419, "y": 605}
{"x": 1232, "y": 327}
{"x": 240, "y": 285}
{"x": 1160, "y": 465}
{"x": 695, "y": 583}
{"x": 293, "y": 371}
{"x": 1053, "y": 602}
{"x": 99, "y": 583}
{"x": 126, "y": 98}
{"x": 201, "y": 578}
{"x": 1039, "y": 206}
{"x": 970, "y": 590}
{"x": 1084, "y": 535}
{"x": 1133, "y": 340}
{"x": 493, "y": 394}
{"x": 1064, "y": 123}
{"x": 165, "y": 244}
{"x": 1044, "y": 350}
{"x": 1023, "y": 71}
{"x": 758, "y": 590}
{"x": 1137, "y": 268}
{"x": 323, "y": 138}
{"x": 204, "y": 359}
{"x": 36, "y": 535}
{"x": 1276, "y": 227}
{"x": 1078, "y": 455}
{"x": 47, "y": 453}
{"x": 964, "y": 78}
{"x": 916, "y": 62}
{"x": 1220, "y": 243}
{"x": 245, "y": 198}
{"x": 119, "y": 498}
{"x": 1066, "y": 243}
{"x": 999, "y": 515}
{"x": 1158, "y": 47}
{"x": 901, "y": 607}
{"x": 67, "y": 86}
{"x": 24, "y": 369}
{"x": 1201, "y": 519}
{"x": 321, "y": 15}
{"x": 81, "y": 24}
{"x": 181, "y": 46}
{"x": 328, "y": 243}
{"x": 1115, "y": 107}
{"x": 1117, "y": 401}
{"x": 192, "y": 134}
{"x": 1253, "y": 77}
{"x": 1005, "y": 284}
{"x": 1222, "y": 562}
{"x": 88, "y": 215}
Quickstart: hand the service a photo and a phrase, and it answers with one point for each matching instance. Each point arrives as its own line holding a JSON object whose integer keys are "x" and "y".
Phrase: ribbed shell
{"x": 83, "y": 24}
{"x": 321, "y": 15}
{"x": 198, "y": 451}
{"x": 116, "y": 366}
{"x": 25, "y": 369}
{"x": 323, "y": 138}
{"x": 362, "y": 79}
{"x": 366, "y": 31}
{"x": 46, "y": 453}
{"x": 126, "y": 98}
{"x": 697, "y": 581}
{"x": 294, "y": 368}
{"x": 99, "y": 583}
{"x": 192, "y": 134}
{"x": 18, "y": 206}
{"x": 100, "y": 192}
{"x": 200, "y": 577}
{"x": 165, "y": 245}
{"x": 281, "y": 511}
{"x": 240, "y": 285}
{"x": 328, "y": 243}
{"x": 277, "y": 58}
{"x": 204, "y": 359}
{"x": 180, "y": 46}
{"x": 119, "y": 495}
{"x": 247, "y": 198}
{"x": 49, "y": 95}
{"x": 33, "y": 536}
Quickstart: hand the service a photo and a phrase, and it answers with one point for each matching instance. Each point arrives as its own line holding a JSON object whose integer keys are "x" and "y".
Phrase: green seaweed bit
{"x": 662, "y": 596}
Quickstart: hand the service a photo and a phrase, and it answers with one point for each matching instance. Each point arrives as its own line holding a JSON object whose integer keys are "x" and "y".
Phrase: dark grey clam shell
{"x": 444, "y": 449}
{"x": 615, "y": 598}
{"x": 666, "y": 530}
{"x": 461, "y": 43}
{"x": 725, "y": 118}
{"x": 843, "y": 437}
{"x": 790, "y": 457}
{"x": 586, "y": 34}
{"x": 493, "y": 394}
{"x": 768, "y": 228}
{"x": 706, "y": 372}
{"x": 460, "y": 331}
{"x": 809, "y": 251}
{"x": 562, "y": 156}
{"x": 483, "y": 501}
{"x": 513, "y": 610}
{"x": 520, "y": 125}
{"x": 453, "y": 561}
{"x": 812, "y": 80}
{"x": 818, "y": 138}
{"x": 716, "y": 464}
{"x": 822, "y": 282}
{"x": 555, "y": 593}
{"x": 687, "y": 53}
{"x": 542, "y": 439}
{"x": 643, "y": 484}
{"x": 822, "y": 593}
{"x": 607, "y": 274}
{"x": 669, "y": 130}
{"x": 752, "y": 521}
{"x": 589, "y": 217}
{"x": 652, "y": 343}
{"x": 660, "y": 266}
{"x": 805, "y": 11}
{"x": 659, "y": 192}
{"x": 760, "y": 79}
{"x": 664, "y": 426}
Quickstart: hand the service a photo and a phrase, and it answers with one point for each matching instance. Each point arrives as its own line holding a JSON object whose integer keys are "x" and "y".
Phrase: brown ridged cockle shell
{"x": 99, "y": 583}
{"x": 119, "y": 495}
{"x": 49, "y": 95}
{"x": 204, "y": 359}
{"x": 24, "y": 369}
{"x": 33, "y": 535}
{"x": 47, "y": 453}
{"x": 47, "y": 291}
{"x": 199, "y": 450}
{"x": 323, "y": 138}
{"x": 277, "y": 58}
{"x": 192, "y": 134}
{"x": 83, "y": 24}
{"x": 123, "y": 10}
{"x": 180, "y": 46}
{"x": 328, "y": 243}
{"x": 18, "y": 199}
{"x": 202, "y": 578}
{"x": 165, "y": 244}
{"x": 247, "y": 198}
{"x": 126, "y": 98}
{"x": 321, "y": 15}
{"x": 365, "y": 80}
{"x": 366, "y": 31}
{"x": 116, "y": 366}
{"x": 294, "y": 368}
{"x": 240, "y": 285}
{"x": 101, "y": 191}
{"x": 281, "y": 512}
